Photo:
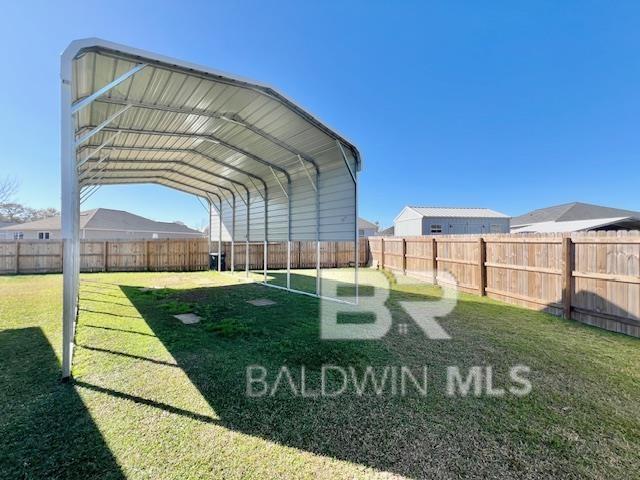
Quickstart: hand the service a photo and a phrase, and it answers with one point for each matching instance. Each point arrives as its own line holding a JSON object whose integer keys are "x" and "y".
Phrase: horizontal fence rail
{"x": 591, "y": 277}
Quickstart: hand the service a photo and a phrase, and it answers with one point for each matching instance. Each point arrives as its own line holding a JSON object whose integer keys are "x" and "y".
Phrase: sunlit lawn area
{"x": 153, "y": 398}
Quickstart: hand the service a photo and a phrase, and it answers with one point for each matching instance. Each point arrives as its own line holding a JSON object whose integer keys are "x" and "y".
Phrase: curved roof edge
{"x": 77, "y": 47}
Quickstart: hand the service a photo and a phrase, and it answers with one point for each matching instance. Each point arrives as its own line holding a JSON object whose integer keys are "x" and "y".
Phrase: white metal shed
{"x": 273, "y": 171}
{"x": 413, "y": 221}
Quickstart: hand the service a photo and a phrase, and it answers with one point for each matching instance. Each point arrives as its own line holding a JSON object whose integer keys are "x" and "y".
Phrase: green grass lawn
{"x": 153, "y": 398}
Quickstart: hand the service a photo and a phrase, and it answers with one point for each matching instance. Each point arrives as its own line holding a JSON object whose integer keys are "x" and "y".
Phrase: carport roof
{"x": 141, "y": 117}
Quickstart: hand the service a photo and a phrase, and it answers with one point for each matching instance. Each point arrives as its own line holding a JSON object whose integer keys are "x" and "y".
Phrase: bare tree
{"x": 18, "y": 213}
{"x": 14, "y": 212}
{"x": 8, "y": 188}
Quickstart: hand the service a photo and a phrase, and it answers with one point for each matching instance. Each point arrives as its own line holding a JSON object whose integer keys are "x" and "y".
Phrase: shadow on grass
{"x": 45, "y": 429}
{"x": 379, "y": 431}
{"x": 413, "y": 436}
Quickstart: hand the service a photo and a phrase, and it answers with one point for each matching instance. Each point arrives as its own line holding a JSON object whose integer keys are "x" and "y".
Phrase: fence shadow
{"x": 45, "y": 429}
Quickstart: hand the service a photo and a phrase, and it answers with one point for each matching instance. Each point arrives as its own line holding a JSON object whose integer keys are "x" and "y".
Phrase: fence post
{"x": 404, "y": 256}
{"x": 105, "y": 256}
{"x": 146, "y": 255}
{"x": 381, "y": 252}
{"x": 17, "y": 257}
{"x": 367, "y": 257}
{"x": 434, "y": 260}
{"x": 188, "y": 245}
{"x": 482, "y": 269}
{"x": 567, "y": 275}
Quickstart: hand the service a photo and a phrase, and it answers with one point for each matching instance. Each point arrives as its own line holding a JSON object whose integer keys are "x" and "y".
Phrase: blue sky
{"x": 507, "y": 105}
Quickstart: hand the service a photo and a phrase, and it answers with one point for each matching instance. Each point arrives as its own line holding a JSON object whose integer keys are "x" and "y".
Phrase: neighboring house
{"x": 5, "y": 236}
{"x": 575, "y": 217}
{"x": 101, "y": 224}
{"x": 366, "y": 228}
{"x": 413, "y": 221}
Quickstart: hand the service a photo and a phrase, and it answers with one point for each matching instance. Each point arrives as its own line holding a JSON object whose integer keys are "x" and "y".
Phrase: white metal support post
{"x": 70, "y": 199}
{"x": 233, "y": 234}
{"x": 210, "y": 233}
{"x": 354, "y": 177}
{"x": 357, "y": 237}
{"x": 318, "y": 283}
{"x": 265, "y": 252}
{"x": 246, "y": 244}
{"x": 70, "y": 216}
{"x": 288, "y": 233}
{"x": 219, "y": 234}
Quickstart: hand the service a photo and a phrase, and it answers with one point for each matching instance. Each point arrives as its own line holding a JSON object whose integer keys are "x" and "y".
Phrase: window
{"x": 495, "y": 228}
{"x": 43, "y": 235}
{"x": 436, "y": 228}
{"x": 361, "y": 233}
{"x": 154, "y": 236}
{"x": 18, "y": 235}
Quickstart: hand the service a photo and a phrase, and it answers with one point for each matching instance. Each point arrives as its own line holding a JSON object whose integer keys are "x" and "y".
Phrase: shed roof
{"x": 457, "y": 212}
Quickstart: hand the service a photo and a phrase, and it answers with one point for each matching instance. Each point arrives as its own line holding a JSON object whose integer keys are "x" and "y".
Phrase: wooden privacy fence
{"x": 45, "y": 256}
{"x": 303, "y": 254}
{"x": 592, "y": 277}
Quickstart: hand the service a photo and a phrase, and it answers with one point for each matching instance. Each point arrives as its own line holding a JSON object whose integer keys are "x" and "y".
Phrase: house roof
{"x": 6, "y": 224}
{"x": 571, "y": 212}
{"x": 107, "y": 219}
{"x": 457, "y": 212}
{"x": 574, "y": 225}
{"x": 366, "y": 224}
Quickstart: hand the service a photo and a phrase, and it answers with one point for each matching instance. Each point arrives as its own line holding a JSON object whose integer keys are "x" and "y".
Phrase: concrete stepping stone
{"x": 261, "y": 302}
{"x": 188, "y": 318}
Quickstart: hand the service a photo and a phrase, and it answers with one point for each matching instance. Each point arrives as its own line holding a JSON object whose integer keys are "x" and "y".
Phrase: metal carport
{"x": 271, "y": 170}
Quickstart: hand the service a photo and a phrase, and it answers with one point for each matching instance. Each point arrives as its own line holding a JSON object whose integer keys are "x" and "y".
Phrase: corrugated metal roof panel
{"x": 212, "y": 134}
{"x": 458, "y": 212}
